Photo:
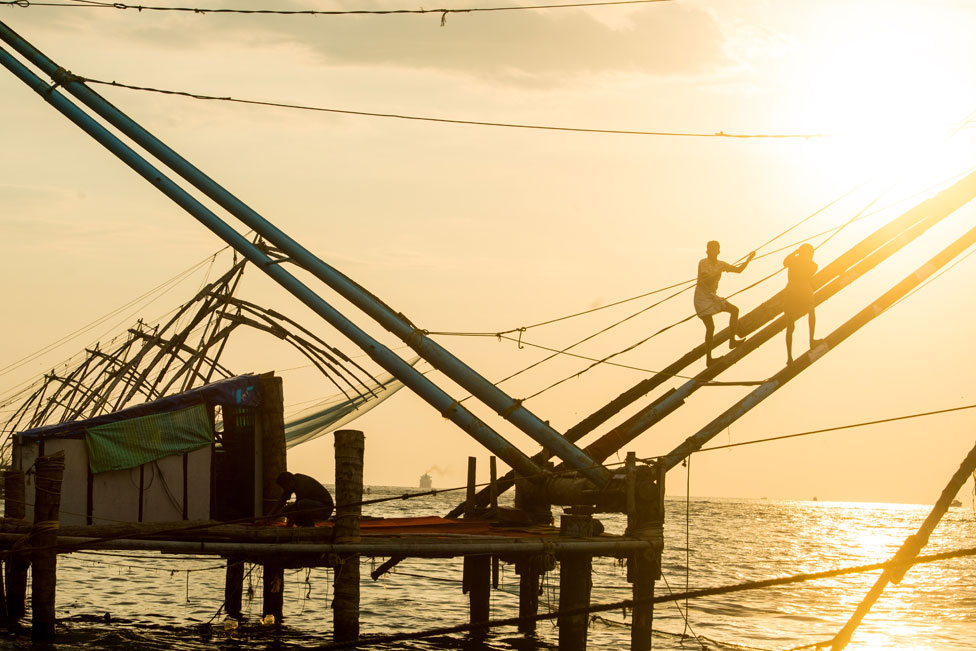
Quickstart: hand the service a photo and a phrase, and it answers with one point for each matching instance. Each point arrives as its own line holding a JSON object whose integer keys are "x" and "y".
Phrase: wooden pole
{"x": 476, "y": 578}
{"x": 575, "y": 583}
{"x": 44, "y": 537}
{"x": 529, "y": 570}
{"x": 273, "y": 594}
{"x": 642, "y": 566}
{"x": 234, "y": 587}
{"x": 493, "y": 503}
{"x": 349, "y": 448}
{"x": 15, "y": 569}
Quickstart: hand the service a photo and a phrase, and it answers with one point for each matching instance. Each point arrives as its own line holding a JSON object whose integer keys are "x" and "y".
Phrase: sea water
{"x": 123, "y": 600}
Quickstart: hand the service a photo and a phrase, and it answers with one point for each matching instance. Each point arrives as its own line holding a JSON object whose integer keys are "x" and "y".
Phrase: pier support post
{"x": 645, "y": 519}
{"x": 349, "y": 449}
{"x": 476, "y": 578}
{"x": 274, "y": 592}
{"x": 15, "y": 568}
{"x": 575, "y": 582}
{"x": 529, "y": 569}
{"x": 44, "y": 537}
{"x": 234, "y": 587}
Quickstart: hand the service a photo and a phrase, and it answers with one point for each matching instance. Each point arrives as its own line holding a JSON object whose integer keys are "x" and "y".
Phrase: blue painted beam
{"x": 395, "y": 322}
{"x": 412, "y": 378}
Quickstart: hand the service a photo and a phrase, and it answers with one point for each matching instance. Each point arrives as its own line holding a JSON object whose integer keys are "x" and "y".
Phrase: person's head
{"x": 806, "y": 251}
{"x": 285, "y": 480}
{"x": 712, "y": 249}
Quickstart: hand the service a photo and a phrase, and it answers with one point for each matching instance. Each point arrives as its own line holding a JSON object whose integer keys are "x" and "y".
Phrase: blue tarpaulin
{"x": 239, "y": 391}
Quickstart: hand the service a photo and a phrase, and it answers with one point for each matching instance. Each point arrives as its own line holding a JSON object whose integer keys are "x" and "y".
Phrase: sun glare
{"x": 886, "y": 93}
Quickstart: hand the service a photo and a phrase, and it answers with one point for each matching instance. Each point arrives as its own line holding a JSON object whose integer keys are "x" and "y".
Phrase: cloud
{"x": 517, "y": 47}
{"x": 547, "y": 47}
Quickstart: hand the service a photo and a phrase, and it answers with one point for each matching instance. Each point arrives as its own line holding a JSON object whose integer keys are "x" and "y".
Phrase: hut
{"x": 210, "y": 453}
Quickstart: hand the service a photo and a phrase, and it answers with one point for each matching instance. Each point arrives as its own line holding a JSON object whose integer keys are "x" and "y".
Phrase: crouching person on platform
{"x": 313, "y": 502}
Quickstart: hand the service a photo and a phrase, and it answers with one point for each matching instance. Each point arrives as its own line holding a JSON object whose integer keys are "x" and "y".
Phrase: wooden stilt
{"x": 645, "y": 512}
{"x": 274, "y": 597}
{"x": 575, "y": 583}
{"x": 234, "y": 587}
{"x": 349, "y": 449}
{"x": 529, "y": 571}
{"x": 476, "y": 579}
{"x": 44, "y": 537}
{"x": 15, "y": 568}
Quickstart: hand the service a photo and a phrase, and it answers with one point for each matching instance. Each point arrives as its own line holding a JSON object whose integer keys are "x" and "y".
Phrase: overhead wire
{"x": 96, "y": 4}
{"x": 480, "y": 123}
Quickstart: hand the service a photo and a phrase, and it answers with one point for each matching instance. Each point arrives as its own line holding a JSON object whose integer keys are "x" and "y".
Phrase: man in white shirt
{"x": 708, "y": 302}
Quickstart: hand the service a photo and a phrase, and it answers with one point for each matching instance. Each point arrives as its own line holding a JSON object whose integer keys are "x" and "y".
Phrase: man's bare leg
{"x": 733, "y": 325}
{"x": 709, "y": 332}
{"x": 790, "y": 326}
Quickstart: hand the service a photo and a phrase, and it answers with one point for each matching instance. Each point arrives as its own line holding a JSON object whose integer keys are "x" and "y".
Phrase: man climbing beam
{"x": 798, "y": 296}
{"x": 707, "y": 301}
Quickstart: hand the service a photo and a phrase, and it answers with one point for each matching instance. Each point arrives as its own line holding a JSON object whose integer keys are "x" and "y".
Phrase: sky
{"x": 482, "y": 229}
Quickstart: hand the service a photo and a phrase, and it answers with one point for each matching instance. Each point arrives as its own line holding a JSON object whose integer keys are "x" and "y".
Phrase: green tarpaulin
{"x": 133, "y": 442}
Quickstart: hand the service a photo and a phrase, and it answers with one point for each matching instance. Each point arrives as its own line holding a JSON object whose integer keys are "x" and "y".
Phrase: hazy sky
{"x": 482, "y": 229}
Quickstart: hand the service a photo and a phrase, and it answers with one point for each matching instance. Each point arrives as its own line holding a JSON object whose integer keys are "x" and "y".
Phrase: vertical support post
{"x": 476, "y": 577}
{"x": 15, "y": 569}
{"x": 349, "y": 449}
{"x": 44, "y": 537}
{"x": 493, "y": 485}
{"x": 234, "y": 587}
{"x": 271, "y": 430}
{"x": 493, "y": 505}
{"x": 575, "y": 583}
{"x": 645, "y": 518}
{"x": 529, "y": 570}
{"x": 274, "y": 595}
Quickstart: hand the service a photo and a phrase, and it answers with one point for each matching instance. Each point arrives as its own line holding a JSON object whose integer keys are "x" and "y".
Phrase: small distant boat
{"x": 425, "y": 481}
{"x": 955, "y": 503}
